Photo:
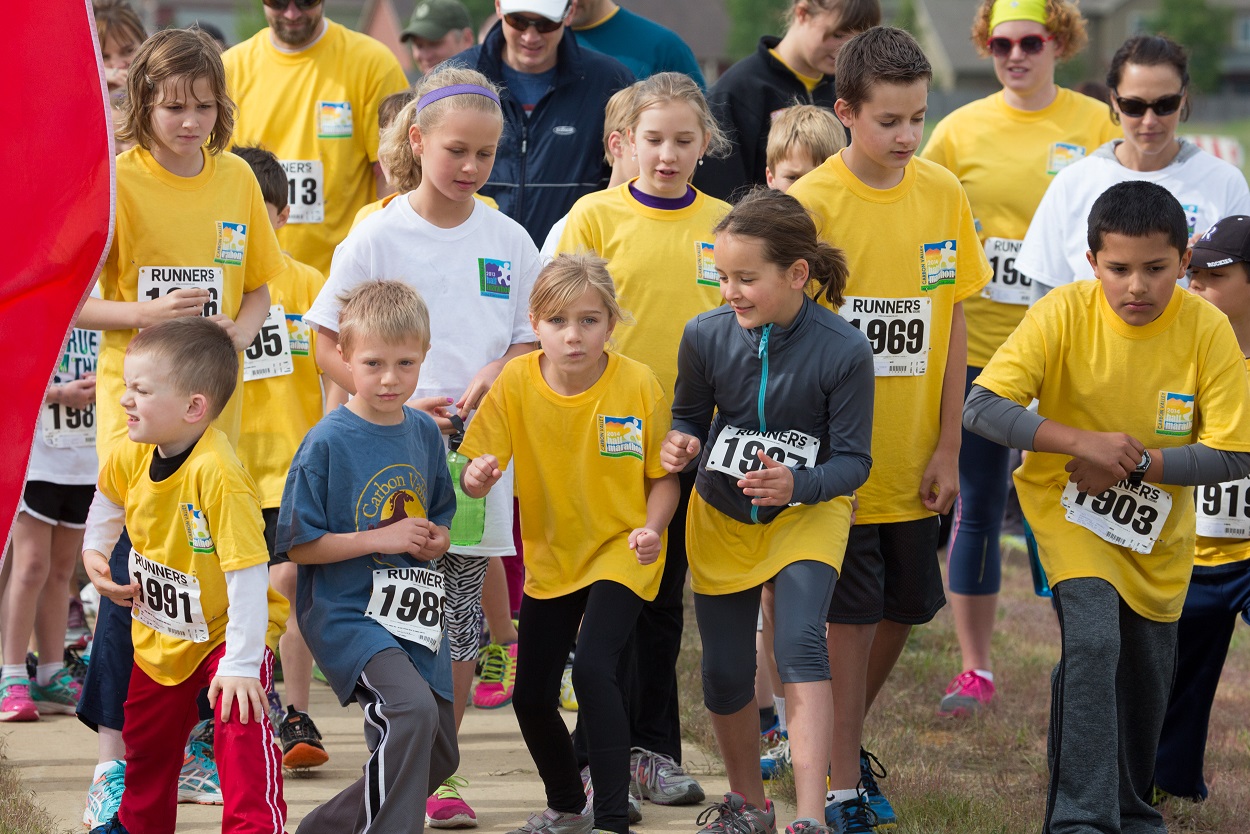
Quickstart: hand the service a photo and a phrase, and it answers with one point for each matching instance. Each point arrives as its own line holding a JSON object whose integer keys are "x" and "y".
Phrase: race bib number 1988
{"x": 408, "y": 602}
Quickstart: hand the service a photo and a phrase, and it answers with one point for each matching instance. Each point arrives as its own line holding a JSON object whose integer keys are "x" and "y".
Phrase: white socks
{"x": 985, "y": 673}
{"x": 780, "y": 705}
{"x": 834, "y": 797}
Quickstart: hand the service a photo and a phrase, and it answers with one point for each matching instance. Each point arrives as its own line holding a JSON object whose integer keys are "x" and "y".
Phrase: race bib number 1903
{"x": 408, "y": 602}
{"x": 1125, "y": 515}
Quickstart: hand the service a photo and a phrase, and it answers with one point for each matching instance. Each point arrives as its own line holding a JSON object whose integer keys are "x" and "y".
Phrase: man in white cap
{"x": 437, "y": 30}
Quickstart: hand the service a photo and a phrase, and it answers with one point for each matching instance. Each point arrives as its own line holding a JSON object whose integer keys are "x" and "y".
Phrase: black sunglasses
{"x": 1029, "y": 45}
{"x": 280, "y": 5}
{"x": 1135, "y": 108}
{"x": 542, "y": 24}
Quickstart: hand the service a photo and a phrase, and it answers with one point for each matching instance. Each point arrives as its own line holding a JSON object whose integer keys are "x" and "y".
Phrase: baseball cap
{"x": 432, "y": 19}
{"x": 1227, "y": 242}
{"x": 550, "y": 9}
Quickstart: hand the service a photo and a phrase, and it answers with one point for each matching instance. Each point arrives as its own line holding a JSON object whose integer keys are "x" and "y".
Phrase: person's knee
{"x": 728, "y": 687}
{"x": 802, "y": 655}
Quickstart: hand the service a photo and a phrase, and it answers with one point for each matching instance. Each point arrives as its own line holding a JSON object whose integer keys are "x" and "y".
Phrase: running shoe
{"x": 301, "y": 741}
{"x": 770, "y": 737}
{"x": 447, "y": 809}
{"x": 494, "y": 688}
{"x": 75, "y": 661}
{"x": 555, "y": 822}
{"x": 276, "y": 713}
{"x": 568, "y": 698}
{"x": 967, "y": 693}
{"x": 113, "y": 826}
{"x": 15, "y": 701}
{"x": 851, "y": 816}
{"x": 870, "y": 770}
{"x": 734, "y": 815}
{"x": 76, "y": 631}
{"x": 807, "y": 825}
{"x": 656, "y": 777}
{"x": 105, "y": 795}
{"x": 633, "y": 802}
{"x": 776, "y": 760}
{"x": 198, "y": 782}
{"x": 60, "y": 696}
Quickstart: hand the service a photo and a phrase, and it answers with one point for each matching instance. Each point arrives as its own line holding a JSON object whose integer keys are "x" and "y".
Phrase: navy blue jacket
{"x": 546, "y": 162}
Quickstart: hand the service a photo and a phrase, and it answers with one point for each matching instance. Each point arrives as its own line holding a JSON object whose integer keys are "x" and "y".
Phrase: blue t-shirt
{"x": 528, "y": 87}
{"x": 351, "y": 475}
{"x": 643, "y": 45}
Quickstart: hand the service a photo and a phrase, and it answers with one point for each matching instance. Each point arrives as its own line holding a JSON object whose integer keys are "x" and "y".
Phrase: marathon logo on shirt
{"x": 1176, "y": 414}
{"x": 299, "y": 334}
{"x": 231, "y": 243}
{"x": 1063, "y": 154}
{"x": 937, "y": 265}
{"x": 198, "y": 536}
{"x": 334, "y": 119}
{"x": 620, "y": 437}
{"x": 157, "y": 569}
{"x": 496, "y": 277}
{"x": 1191, "y": 217}
{"x": 82, "y": 351}
{"x": 705, "y": 259}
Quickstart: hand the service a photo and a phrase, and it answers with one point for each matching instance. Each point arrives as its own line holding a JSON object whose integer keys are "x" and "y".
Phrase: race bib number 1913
{"x": 408, "y": 602}
{"x": 736, "y": 451}
{"x": 897, "y": 329}
{"x": 168, "y": 600}
{"x": 306, "y": 183}
{"x": 1125, "y": 515}
{"x": 1223, "y": 510}
{"x": 269, "y": 354}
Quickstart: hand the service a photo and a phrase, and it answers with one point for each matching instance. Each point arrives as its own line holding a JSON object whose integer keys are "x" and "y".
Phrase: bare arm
{"x": 482, "y": 381}
{"x": 99, "y": 314}
{"x": 661, "y": 504}
{"x": 252, "y": 312}
{"x": 331, "y": 362}
{"x": 940, "y": 483}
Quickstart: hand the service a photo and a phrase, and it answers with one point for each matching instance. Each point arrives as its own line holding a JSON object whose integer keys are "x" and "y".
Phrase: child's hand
{"x": 436, "y": 545}
{"x": 854, "y": 507}
{"x": 480, "y": 475}
{"x": 115, "y": 77}
{"x": 97, "y": 566}
{"x": 1090, "y": 477}
{"x": 247, "y": 691}
{"x": 78, "y": 393}
{"x": 236, "y": 334}
{"x": 437, "y": 407}
{"x": 678, "y": 450}
{"x": 478, "y": 386}
{"x": 1115, "y": 452}
{"x": 176, "y": 304}
{"x": 645, "y": 543}
{"x": 940, "y": 483}
{"x": 772, "y": 486}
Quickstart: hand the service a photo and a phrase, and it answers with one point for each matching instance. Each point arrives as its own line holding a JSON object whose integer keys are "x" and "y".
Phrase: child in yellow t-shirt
{"x": 1219, "y": 589}
{"x": 1142, "y": 394}
{"x": 584, "y": 428}
{"x": 908, "y": 233}
{"x": 196, "y": 583}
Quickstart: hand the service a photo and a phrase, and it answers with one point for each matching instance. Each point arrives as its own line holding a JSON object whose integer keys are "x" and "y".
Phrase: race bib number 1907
{"x": 736, "y": 451}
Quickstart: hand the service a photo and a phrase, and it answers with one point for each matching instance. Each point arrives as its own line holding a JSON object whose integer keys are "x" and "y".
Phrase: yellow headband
{"x": 1005, "y": 10}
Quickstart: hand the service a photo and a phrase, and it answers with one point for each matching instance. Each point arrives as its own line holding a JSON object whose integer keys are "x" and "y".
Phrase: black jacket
{"x": 744, "y": 100}
{"x": 544, "y": 163}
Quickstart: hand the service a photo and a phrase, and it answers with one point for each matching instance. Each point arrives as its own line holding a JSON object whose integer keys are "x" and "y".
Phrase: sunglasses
{"x": 1135, "y": 108}
{"x": 280, "y": 5}
{"x": 1029, "y": 45}
{"x": 542, "y": 24}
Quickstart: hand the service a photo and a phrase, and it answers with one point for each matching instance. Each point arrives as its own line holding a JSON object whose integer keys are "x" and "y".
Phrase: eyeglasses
{"x": 1029, "y": 45}
{"x": 544, "y": 25}
{"x": 1135, "y": 108}
{"x": 280, "y": 5}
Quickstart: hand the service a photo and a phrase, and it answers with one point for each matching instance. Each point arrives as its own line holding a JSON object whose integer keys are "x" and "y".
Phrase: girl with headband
{"x": 474, "y": 267}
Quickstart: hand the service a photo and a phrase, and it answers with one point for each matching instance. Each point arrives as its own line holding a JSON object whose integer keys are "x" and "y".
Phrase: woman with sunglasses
{"x": 1148, "y": 78}
{"x": 1005, "y": 149}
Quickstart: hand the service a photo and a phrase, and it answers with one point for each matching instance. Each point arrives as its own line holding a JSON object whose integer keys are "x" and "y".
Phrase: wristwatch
{"x": 1135, "y": 477}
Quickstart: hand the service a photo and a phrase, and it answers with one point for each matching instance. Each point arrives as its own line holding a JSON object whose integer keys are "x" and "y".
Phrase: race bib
{"x": 1125, "y": 515}
{"x": 65, "y": 427}
{"x": 408, "y": 602}
{"x": 1223, "y": 510}
{"x": 168, "y": 600}
{"x": 735, "y": 450}
{"x": 1007, "y": 286}
{"x": 897, "y": 329}
{"x": 156, "y": 281}
{"x": 269, "y": 354}
{"x": 305, "y": 186}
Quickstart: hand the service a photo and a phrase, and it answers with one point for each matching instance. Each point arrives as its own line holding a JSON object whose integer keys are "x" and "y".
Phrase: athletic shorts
{"x": 63, "y": 505}
{"x": 891, "y": 572}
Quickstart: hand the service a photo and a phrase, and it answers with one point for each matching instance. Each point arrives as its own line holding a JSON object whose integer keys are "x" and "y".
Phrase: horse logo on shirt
{"x": 620, "y": 437}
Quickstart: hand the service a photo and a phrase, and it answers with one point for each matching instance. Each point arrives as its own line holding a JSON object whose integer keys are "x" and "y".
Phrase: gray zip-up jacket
{"x": 815, "y": 377}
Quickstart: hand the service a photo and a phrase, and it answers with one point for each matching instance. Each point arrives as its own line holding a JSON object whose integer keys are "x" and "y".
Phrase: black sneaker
{"x": 301, "y": 742}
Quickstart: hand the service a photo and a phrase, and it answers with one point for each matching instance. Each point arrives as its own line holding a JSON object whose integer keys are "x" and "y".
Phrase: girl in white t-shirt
{"x": 475, "y": 267}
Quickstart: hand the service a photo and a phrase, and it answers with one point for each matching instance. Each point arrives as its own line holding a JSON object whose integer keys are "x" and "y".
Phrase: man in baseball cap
{"x": 1225, "y": 243}
{"x": 553, "y": 10}
{"x": 438, "y": 30}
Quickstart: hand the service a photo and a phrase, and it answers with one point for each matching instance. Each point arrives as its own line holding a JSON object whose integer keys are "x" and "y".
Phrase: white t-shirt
{"x": 552, "y": 243}
{"x": 476, "y": 280}
{"x": 72, "y": 460}
{"x": 1054, "y": 247}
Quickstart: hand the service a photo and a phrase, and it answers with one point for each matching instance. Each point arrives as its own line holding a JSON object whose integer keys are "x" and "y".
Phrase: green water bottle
{"x": 470, "y": 518}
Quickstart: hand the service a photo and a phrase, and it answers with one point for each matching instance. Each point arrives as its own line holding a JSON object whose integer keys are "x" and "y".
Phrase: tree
{"x": 749, "y": 20}
{"x": 906, "y": 18}
{"x": 1204, "y": 30}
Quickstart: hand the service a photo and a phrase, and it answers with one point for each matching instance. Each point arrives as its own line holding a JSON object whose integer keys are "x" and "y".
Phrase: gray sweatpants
{"x": 411, "y": 733}
{"x": 1109, "y": 693}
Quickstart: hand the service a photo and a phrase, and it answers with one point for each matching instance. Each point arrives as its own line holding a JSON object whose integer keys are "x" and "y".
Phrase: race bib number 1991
{"x": 1125, "y": 515}
{"x": 408, "y": 602}
{"x": 168, "y": 600}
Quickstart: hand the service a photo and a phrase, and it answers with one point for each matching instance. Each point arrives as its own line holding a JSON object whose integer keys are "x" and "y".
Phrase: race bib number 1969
{"x": 897, "y": 329}
{"x": 1223, "y": 510}
{"x": 736, "y": 451}
{"x": 168, "y": 600}
{"x": 1125, "y": 515}
{"x": 408, "y": 602}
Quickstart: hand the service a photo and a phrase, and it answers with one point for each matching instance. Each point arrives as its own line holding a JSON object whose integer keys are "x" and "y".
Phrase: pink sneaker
{"x": 15, "y": 701}
{"x": 446, "y": 808}
{"x": 494, "y": 689}
{"x": 967, "y": 693}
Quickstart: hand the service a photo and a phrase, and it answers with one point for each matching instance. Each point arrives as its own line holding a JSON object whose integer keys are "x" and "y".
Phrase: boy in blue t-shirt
{"x": 366, "y": 507}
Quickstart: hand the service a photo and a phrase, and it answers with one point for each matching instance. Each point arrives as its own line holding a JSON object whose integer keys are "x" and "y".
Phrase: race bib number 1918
{"x": 408, "y": 602}
{"x": 1223, "y": 510}
{"x": 1125, "y": 515}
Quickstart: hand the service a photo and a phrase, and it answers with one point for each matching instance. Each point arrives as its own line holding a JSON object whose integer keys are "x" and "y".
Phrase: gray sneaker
{"x": 734, "y": 815}
{"x": 658, "y": 778}
{"x": 555, "y": 822}
{"x": 635, "y": 804}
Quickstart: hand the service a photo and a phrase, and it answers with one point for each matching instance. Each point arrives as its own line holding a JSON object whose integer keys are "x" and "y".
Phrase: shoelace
{"x": 450, "y": 789}
{"x": 17, "y": 690}
{"x": 857, "y": 818}
{"x": 493, "y": 664}
{"x": 730, "y": 821}
{"x": 300, "y": 727}
{"x": 662, "y": 767}
{"x": 870, "y": 773}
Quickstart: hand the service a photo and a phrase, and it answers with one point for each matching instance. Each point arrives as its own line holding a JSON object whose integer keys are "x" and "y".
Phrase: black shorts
{"x": 271, "y": 536}
{"x": 891, "y": 572}
{"x": 65, "y": 505}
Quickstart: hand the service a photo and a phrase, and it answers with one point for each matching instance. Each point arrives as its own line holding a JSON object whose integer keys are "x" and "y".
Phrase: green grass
{"x": 19, "y": 812}
{"x": 987, "y": 774}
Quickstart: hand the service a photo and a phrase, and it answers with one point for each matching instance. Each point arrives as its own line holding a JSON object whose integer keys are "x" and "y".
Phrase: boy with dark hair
{"x": 1142, "y": 395}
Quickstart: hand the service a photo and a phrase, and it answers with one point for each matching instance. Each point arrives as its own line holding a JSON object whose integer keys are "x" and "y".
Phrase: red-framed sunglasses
{"x": 1029, "y": 45}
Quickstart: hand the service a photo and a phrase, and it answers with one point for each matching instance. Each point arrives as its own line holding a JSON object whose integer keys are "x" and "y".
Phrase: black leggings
{"x": 606, "y": 612}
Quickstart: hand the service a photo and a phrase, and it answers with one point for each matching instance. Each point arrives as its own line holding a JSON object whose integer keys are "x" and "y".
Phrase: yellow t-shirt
{"x": 1006, "y": 158}
{"x": 317, "y": 110}
{"x": 279, "y": 410}
{"x": 582, "y": 467}
{"x": 913, "y": 253}
{"x": 208, "y": 230}
{"x": 203, "y": 521}
{"x": 662, "y": 263}
{"x": 1176, "y": 381}
{"x": 378, "y": 205}
{"x": 1209, "y": 551}
{"x": 807, "y": 81}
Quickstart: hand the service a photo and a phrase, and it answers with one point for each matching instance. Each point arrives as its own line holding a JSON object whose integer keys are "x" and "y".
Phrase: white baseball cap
{"x": 550, "y": 9}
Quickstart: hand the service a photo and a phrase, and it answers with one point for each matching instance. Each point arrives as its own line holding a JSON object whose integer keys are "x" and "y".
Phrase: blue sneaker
{"x": 105, "y": 797}
{"x": 113, "y": 826}
{"x": 850, "y": 816}
{"x": 198, "y": 782}
{"x": 776, "y": 760}
{"x": 870, "y": 770}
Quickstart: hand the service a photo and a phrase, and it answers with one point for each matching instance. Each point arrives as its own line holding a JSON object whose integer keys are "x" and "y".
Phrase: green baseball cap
{"x": 432, "y": 19}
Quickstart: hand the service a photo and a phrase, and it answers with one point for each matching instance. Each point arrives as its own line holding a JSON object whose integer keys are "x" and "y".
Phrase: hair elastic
{"x": 455, "y": 90}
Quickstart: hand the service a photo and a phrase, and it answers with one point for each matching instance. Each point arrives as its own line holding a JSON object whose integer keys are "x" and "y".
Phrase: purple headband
{"x": 455, "y": 90}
